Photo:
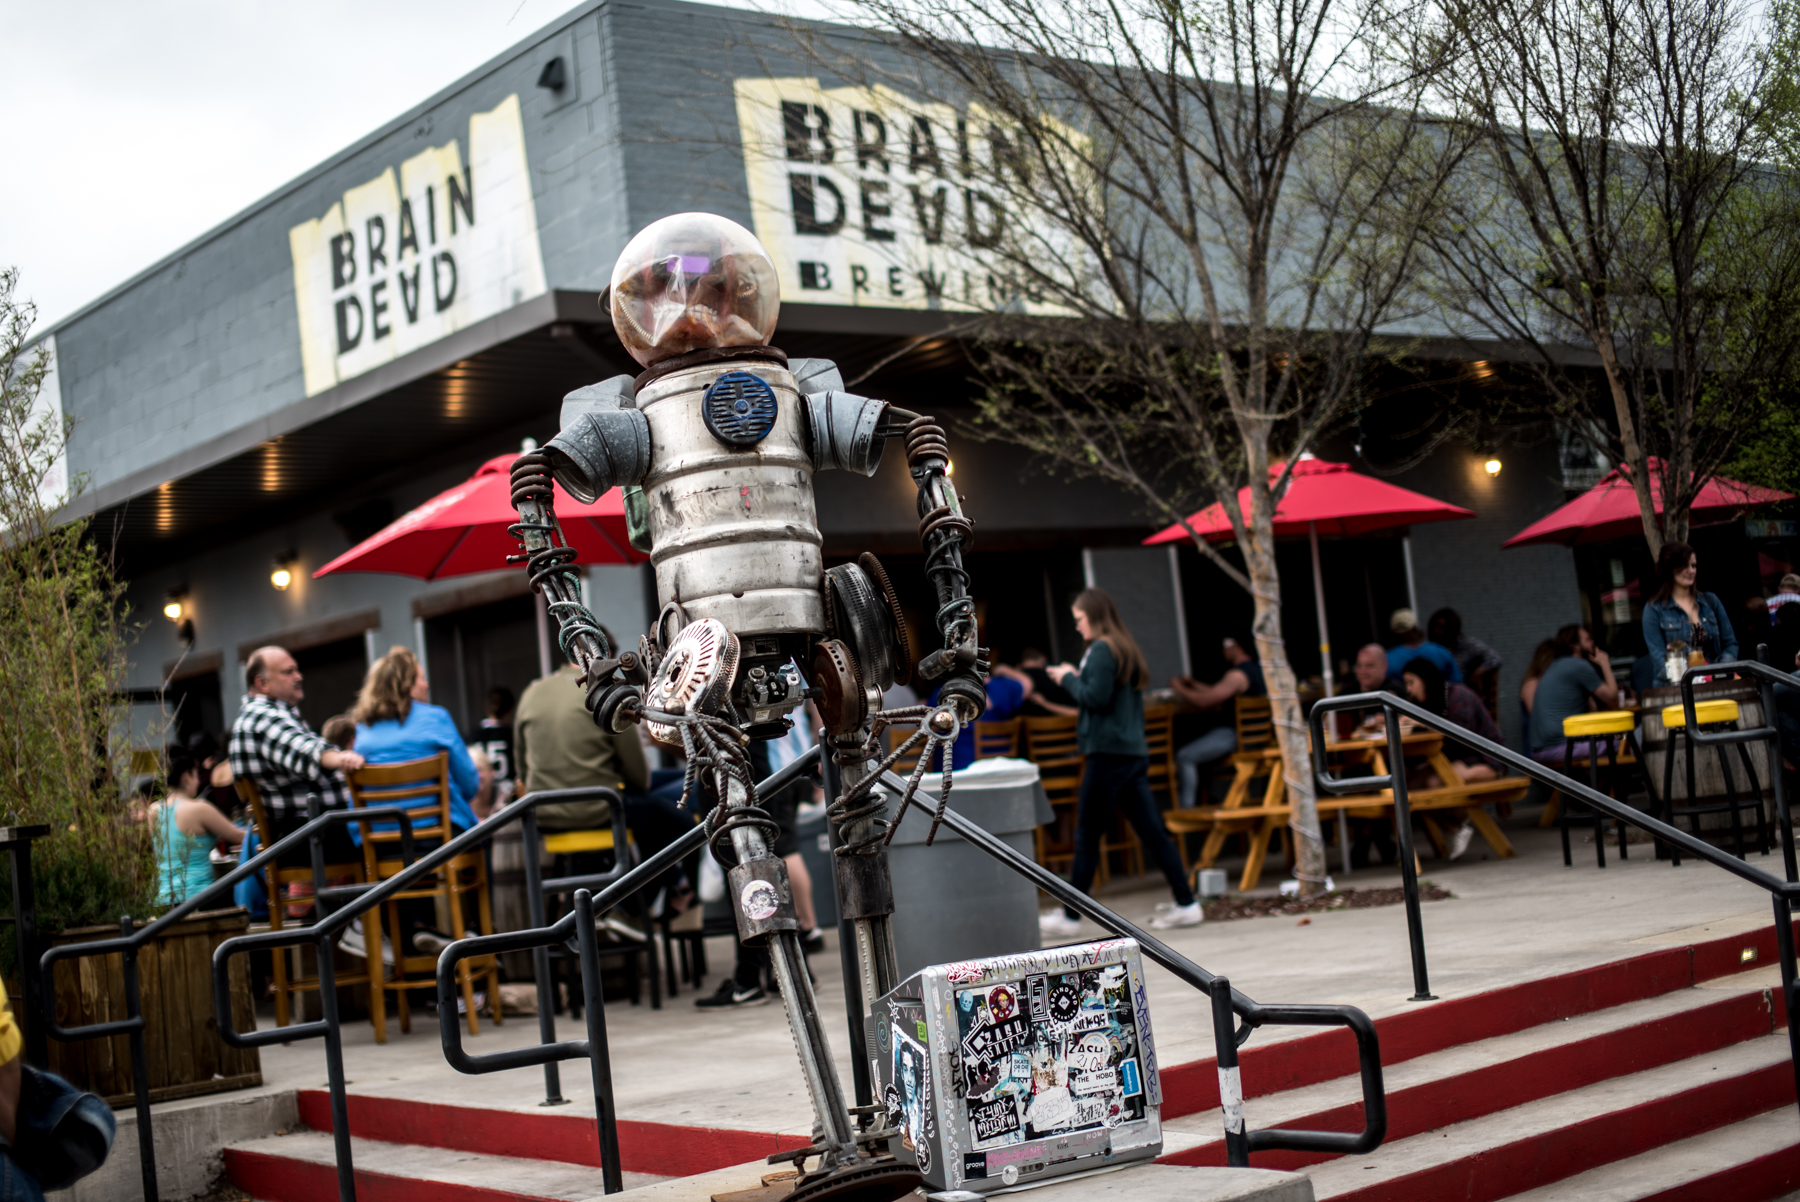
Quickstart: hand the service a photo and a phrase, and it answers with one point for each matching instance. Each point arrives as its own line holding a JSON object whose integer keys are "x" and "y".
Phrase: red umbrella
{"x": 1325, "y": 497}
{"x": 1609, "y": 510}
{"x": 463, "y": 531}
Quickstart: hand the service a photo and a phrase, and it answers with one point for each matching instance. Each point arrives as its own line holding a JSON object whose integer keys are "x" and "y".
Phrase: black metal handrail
{"x": 1782, "y": 893}
{"x": 131, "y": 938}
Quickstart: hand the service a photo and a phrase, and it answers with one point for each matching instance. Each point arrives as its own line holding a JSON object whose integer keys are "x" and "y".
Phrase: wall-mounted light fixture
{"x": 283, "y": 574}
{"x": 1492, "y": 465}
{"x": 178, "y": 611}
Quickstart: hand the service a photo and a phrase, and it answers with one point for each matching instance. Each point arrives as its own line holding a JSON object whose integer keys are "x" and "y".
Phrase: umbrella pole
{"x": 1312, "y": 531}
{"x": 546, "y": 665}
{"x": 1412, "y": 591}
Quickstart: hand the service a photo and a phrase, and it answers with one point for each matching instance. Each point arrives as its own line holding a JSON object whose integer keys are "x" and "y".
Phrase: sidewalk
{"x": 1509, "y": 921}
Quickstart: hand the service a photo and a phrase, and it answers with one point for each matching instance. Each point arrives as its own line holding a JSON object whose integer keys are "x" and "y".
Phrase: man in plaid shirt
{"x": 274, "y": 749}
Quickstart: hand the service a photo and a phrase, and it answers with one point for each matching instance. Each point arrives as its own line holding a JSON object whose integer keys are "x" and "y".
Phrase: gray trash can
{"x": 953, "y": 901}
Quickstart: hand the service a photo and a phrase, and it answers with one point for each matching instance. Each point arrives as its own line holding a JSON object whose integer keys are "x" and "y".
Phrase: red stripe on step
{"x": 1553, "y": 1155}
{"x": 1434, "y": 1104}
{"x": 1759, "y": 1180}
{"x": 278, "y": 1179}
{"x": 571, "y": 1137}
{"x": 1432, "y": 1026}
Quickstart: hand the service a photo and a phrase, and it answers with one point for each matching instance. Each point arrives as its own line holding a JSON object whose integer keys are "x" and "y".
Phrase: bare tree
{"x": 1183, "y": 228}
{"x": 1621, "y": 196}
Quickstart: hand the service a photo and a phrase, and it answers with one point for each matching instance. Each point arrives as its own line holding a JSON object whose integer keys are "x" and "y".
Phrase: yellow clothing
{"x": 11, "y": 1038}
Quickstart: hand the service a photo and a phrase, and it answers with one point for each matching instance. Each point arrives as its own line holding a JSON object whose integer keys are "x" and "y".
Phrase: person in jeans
{"x": 1580, "y": 677}
{"x": 1243, "y": 678}
{"x": 1110, "y": 733}
{"x": 1681, "y": 612}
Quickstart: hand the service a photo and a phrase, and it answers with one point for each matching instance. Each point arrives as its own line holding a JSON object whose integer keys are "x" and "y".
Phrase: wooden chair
{"x": 422, "y": 787}
{"x": 1159, "y": 735}
{"x": 997, "y": 739}
{"x": 1255, "y": 720}
{"x": 1050, "y": 744}
{"x": 897, "y": 735}
{"x": 286, "y": 982}
{"x": 563, "y": 847}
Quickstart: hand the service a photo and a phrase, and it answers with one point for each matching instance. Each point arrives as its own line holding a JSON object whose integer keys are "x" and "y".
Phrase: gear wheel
{"x": 842, "y": 705}
{"x": 862, "y": 620}
{"x": 872, "y": 1183}
{"x": 904, "y": 654}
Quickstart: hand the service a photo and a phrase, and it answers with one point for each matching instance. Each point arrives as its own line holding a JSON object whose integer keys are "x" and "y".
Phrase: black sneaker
{"x": 730, "y": 995}
{"x": 813, "y": 942}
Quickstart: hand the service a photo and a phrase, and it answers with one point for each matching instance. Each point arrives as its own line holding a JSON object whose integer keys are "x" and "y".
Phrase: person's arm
{"x": 218, "y": 826}
{"x": 1607, "y": 694}
{"x": 1728, "y": 643}
{"x": 1657, "y": 648}
{"x": 463, "y": 776}
{"x": 1212, "y": 696}
{"x": 1008, "y": 672}
{"x": 1528, "y": 692}
{"x": 1093, "y": 684}
{"x": 1005, "y": 697}
{"x": 12, "y": 1043}
{"x": 519, "y": 758}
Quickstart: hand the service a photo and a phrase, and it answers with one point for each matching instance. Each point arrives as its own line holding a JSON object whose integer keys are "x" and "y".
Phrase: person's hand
{"x": 1601, "y": 659}
{"x": 1059, "y": 671}
{"x": 346, "y": 761}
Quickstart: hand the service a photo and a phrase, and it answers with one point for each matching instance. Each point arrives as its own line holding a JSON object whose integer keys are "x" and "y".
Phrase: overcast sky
{"x": 134, "y": 126}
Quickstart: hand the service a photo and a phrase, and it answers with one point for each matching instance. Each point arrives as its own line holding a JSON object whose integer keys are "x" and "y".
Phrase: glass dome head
{"x": 693, "y": 281}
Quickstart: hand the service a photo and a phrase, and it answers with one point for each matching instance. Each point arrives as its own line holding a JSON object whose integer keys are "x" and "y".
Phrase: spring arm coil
{"x": 861, "y": 801}
{"x": 548, "y": 564}
{"x": 710, "y": 742}
{"x": 944, "y": 533}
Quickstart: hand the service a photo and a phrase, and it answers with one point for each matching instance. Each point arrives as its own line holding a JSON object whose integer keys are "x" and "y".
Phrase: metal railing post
{"x": 599, "y": 1059}
{"x": 1409, "y": 866}
{"x": 1231, "y": 1084}
{"x": 1777, "y": 778}
{"x": 540, "y": 956}
{"x": 334, "y": 1057}
{"x": 140, "y": 1068}
{"x": 1790, "y": 987}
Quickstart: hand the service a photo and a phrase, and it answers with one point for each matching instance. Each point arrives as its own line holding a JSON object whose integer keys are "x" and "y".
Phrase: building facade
{"x": 368, "y": 335}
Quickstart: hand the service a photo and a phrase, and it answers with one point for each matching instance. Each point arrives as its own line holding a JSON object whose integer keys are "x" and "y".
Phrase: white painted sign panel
{"x": 413, "y": 256}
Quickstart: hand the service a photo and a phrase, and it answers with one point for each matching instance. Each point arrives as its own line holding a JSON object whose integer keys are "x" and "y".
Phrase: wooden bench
{"x": 1262, "y": 823}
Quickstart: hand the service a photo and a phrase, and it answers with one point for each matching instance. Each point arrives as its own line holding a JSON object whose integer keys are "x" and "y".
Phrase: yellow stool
{"x": 1610, "y": 725}
{"x": 1711, "y": 713}
{"x": 568, "y": 843}
{"x": 580, "y": 842}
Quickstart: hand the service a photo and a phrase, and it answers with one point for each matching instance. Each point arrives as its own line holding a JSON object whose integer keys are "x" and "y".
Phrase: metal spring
{"x": 712, "y": 742}
{"x": 925, "y": 439}
{"x": 861, "y": 800}
{"x": 550, "y": 564}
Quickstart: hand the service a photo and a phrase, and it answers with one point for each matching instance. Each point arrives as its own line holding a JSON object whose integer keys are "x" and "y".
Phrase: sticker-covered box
{"x": 1020, "y": 1068}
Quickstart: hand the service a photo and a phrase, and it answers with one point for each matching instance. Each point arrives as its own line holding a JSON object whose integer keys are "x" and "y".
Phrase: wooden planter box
{"x": 182, "y": 1047}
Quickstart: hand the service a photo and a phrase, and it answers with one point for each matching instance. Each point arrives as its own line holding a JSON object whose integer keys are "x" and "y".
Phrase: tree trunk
{"x": 1635, "y": 456}
{"x": 1284, "y": 699}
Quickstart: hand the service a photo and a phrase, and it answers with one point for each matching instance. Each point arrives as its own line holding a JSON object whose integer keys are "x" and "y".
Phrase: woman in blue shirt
{"x": 1679, "y": 611}
{"x": 1115, "y": 778}
{"x": 395, "y": 723}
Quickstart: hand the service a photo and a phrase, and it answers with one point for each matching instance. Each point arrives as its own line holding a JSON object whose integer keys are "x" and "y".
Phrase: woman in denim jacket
{"x": 1679, "y": 611}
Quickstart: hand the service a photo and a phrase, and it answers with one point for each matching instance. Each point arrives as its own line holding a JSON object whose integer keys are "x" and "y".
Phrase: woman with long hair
{"x": 187, "y": 827}
{"x": 395, "y": 723}
{"x": 1110, "y": 733}
{"x": 1681, "y": 612}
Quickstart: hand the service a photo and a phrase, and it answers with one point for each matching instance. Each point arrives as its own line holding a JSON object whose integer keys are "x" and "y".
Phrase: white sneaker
{"x": 1058, "y": 925}
{"x": 1179, "y": 916}
{"x": 1459, "y": 842}
{"x": 1291, "y": 887}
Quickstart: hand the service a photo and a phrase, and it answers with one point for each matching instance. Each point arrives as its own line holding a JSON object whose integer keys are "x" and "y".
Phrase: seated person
{"x": 394, "y": 723}
{"x": 1427, "y": 686}
{"x": 1405, "y": 624}
{"x": 557, "y": 745}
{"x": 1045, "y": 698}
{"x": 1475, "y": 659}
{"x": 1372, "y": 676}
{"x": 1578, "y": 678}
{"x": 1243, "y": 678}
{"x": 186, "y": 828}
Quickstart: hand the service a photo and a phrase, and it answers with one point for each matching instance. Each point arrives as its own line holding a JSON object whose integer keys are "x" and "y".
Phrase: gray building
{"x": 371, "y": 333}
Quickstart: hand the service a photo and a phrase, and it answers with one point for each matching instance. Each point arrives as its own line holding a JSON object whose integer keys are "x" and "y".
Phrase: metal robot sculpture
{"x": 716, "y": 444}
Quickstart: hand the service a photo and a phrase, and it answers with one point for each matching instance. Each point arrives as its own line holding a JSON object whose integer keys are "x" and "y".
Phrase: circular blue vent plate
{"x": 739, "y": 409}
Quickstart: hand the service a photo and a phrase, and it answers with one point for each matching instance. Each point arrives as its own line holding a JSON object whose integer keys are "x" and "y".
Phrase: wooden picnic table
{"x": 1263, "y": 821}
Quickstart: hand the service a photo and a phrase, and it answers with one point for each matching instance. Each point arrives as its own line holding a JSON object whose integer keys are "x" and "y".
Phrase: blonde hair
{"x": 387, "y": 690}
{"x": 1109, "y": 628}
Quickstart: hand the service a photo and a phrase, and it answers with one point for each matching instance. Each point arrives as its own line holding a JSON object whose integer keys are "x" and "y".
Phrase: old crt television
{"x": 1020, "y": 1069}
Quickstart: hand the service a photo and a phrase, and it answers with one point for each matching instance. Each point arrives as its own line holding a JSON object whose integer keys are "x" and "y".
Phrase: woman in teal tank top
{"x": 187, "y": 828}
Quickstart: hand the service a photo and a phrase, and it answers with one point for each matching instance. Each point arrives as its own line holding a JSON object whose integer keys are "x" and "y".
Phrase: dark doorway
{"x": 332, "y": 675}
{"x": 474, "y": 650}
{"x": 194, "y": 704}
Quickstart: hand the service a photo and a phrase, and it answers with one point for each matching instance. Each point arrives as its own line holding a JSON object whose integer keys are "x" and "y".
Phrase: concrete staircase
{"x": 1663, "y": 1076}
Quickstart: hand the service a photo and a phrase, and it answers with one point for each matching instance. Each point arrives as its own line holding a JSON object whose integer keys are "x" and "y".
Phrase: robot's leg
{"x": 764, "y": 907}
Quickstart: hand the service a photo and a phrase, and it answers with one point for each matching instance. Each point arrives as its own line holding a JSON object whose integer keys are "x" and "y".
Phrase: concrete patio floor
{"x": 1508, "y": 921}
